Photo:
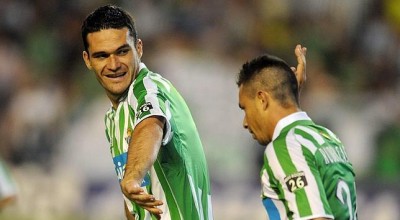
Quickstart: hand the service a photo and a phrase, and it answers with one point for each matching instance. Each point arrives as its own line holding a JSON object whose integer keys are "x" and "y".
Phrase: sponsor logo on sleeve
{"x": 144, "y": 108}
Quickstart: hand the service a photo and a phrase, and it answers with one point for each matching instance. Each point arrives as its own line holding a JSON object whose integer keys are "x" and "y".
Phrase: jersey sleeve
{"x": 150, "y": 100}
{"x": 296, "y": 179}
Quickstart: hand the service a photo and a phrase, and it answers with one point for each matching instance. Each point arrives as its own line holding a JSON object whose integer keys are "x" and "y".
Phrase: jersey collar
{"x": 124, "y": 96}
{"x": 284, "y": 122}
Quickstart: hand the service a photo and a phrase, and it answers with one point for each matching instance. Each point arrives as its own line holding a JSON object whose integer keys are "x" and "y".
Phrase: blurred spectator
{"x": 353, "y": 67}
{"x": 8, "y": 187}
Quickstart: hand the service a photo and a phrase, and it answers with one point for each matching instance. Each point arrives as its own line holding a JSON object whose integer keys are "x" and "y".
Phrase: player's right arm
{"x": 143, "y": 150}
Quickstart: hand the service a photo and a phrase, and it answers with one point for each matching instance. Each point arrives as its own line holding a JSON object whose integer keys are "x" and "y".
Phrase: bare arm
{"x": 142, "y": 153}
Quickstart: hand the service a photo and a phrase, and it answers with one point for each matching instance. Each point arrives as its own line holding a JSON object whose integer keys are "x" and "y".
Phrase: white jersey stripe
{"x": 280, "y": 175}
{"x": 196, "y": 196}
{"x": 169, "y": 186}
{"x": 158, "y": 192}
{"x": 314, "y": 134}
{"x": 306, "y": 143}
{"x": 312, "y": 190}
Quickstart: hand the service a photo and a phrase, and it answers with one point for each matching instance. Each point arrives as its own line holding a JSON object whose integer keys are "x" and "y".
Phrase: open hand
{"x": 136, "y": 194}
{"x": 300, "y": 70}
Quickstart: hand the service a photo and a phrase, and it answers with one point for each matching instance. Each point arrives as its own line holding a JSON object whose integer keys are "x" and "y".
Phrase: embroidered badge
{"x": 296, "y": 181}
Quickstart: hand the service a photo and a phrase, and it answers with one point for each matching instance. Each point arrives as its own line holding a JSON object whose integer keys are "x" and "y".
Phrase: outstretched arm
{"x": 300, "y": 70}
{"x": 142, "y": 153}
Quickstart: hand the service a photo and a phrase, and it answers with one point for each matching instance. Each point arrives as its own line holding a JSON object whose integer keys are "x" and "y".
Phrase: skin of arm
{"x": 142, "y": 153}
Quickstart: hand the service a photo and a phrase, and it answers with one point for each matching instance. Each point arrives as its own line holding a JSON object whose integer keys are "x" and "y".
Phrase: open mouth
{"x": 116, "y": 75}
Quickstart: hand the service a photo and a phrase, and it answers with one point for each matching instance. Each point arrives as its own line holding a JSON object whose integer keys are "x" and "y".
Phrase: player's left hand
{"x": 136, "y": 194}
{"x": 300, "y": 70}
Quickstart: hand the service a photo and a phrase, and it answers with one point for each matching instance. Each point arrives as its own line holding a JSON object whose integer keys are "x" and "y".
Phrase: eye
{"x": 101, "y": 55}
{"x": 123, "y": 52}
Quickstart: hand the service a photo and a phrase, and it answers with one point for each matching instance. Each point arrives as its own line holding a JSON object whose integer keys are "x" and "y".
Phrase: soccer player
{"x": 306, "y": 172}
{"x": 155, "y": 146}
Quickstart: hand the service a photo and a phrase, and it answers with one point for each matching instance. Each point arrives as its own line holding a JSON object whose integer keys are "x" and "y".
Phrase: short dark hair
{"x": 107, "y": 17}
{"x": 272, "y": 74}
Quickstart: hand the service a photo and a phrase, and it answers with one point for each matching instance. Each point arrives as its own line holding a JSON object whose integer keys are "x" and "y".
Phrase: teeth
{"x": 116, "y": 75}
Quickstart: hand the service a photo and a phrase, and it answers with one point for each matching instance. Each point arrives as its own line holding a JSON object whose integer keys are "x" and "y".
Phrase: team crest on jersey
{"x": 144, "y": 108}
{"x": 296, "y": 181}
{"x": 128, "y": 135}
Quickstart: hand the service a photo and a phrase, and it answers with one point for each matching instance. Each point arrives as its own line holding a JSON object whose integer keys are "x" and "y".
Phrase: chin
{"x": 264, "y": 142}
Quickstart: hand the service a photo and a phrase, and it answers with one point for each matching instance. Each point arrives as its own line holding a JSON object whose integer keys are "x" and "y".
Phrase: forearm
{"x": 144, "y": 148}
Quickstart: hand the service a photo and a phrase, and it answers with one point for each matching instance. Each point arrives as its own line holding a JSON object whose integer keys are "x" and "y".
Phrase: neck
{"x": 280, "y": 113}
{"x": 116, "y": 99}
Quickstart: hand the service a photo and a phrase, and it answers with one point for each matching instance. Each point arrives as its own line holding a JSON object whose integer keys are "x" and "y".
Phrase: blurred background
{"x": 52, "y": 109}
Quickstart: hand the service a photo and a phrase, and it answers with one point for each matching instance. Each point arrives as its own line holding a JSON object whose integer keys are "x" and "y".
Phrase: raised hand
{"x": 300, "y": 70}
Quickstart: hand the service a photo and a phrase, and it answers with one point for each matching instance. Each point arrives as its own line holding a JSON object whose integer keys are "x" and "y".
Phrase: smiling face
{"x": 255, "y": 112}
{"x": 114, "y": 58}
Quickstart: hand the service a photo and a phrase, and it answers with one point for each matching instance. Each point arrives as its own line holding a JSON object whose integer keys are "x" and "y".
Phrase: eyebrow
{"x": 96, "y": 54}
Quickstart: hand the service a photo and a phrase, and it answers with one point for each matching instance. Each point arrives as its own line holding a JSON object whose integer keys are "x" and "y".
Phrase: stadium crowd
{"x": 51, "y": 121}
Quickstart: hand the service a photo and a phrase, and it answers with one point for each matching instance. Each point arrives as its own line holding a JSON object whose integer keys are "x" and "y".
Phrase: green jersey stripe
{"x": 304, "y": 164}
{"x": 173, "y": 207}
{"x": 273, "y": 188}
{"x": 278, "y": 173}
{"x": 122, "y": 124}
{"x": 300, "y": 197}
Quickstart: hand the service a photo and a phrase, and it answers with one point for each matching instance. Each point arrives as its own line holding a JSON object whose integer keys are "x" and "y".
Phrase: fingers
{"x": 152, "y": 209}
{"x": 300, "y": 53}
{"x": 151, "y": 206}
{"x": 300, "y": 71}
{"x": 136, "y": 194}
{"x": 144, "y": 200}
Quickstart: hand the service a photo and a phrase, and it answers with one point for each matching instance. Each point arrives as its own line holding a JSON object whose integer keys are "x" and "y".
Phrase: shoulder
{"x": 290, "y": 144}
{"x": 283, "y": 141}
{"x": 147, "y": 79}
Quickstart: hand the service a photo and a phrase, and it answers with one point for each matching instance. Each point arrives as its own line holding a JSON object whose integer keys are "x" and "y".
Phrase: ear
{"x": 139, "y": 47}
{"x": 263, "y": 99}
{"x": 86, "y": 58}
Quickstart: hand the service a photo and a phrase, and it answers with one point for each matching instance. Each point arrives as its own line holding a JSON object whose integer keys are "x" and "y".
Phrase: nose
{"x": 113, "y": 63}
{"x": 245, "y": 125}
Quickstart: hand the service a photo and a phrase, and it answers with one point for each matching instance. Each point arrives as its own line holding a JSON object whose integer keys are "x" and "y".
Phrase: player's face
{"x": 253, "y": 120}
{"x": 114, "y": 59}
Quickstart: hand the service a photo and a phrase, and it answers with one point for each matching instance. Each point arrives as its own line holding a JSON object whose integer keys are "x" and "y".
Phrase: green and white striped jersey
{"x": 179, "y": 177}
{"x": 306, "y": 173}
